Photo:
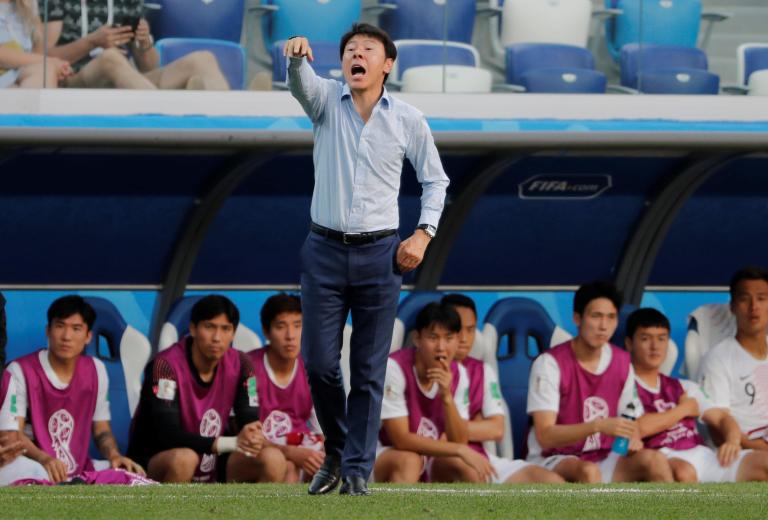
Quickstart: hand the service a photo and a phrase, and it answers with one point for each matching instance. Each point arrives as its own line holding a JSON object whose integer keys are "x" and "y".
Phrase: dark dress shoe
{"x": 354, "y": 486}
{"x": 327, "y": 477}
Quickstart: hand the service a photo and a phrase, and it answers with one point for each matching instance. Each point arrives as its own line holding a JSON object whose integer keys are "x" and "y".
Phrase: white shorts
{"x": 22, "y": 468}
{"x": 704, "y": 461}
{"x": 607, "y": 465}
{"x": 505, "y": 468}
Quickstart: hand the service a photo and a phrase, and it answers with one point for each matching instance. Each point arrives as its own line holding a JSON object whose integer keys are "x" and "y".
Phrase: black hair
{"x": 594, "y": 290}
{"x": 66, "y": 306}
{"x": 751, "y": 272}
{"x": 645, "y": 318}
{"x": 366, "y": 29}
{"x": 460, "y": 300}
{"x": 438, "y": 314}
{"x": 213, "y": 305}
{"x": 276, "y": 305}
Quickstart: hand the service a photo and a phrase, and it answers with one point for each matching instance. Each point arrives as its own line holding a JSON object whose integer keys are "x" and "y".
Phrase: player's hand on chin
{"x": 410, "y": 253}
{"x": 56, "y": 469}
{"x": 127, "y": 464}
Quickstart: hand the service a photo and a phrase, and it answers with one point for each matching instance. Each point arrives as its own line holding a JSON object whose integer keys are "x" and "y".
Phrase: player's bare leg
{"x": 268, "y": 466}
{"x": 453, "y": 469}
{"x": 576, "y": 470}
{"x": 176, "y": 465}
{"x": 754, "y": 467}
{"x": 534, "y": 474}
{"x": 292, "y": 473}
{"x": 643, "y": 466}
{"x": 398, "y": 466}
{"x": 682, "y": 471}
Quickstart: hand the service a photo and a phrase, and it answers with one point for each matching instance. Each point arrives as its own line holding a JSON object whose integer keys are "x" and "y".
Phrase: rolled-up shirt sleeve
{"x": 425, "y": 159}
{"x": 310, "y": 90}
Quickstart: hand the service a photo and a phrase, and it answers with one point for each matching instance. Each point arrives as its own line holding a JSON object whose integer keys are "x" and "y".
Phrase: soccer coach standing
{"x": 352, "y": 259}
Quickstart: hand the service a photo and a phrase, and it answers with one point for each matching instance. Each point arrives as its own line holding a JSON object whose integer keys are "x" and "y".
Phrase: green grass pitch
{"x": 184, "y": 502}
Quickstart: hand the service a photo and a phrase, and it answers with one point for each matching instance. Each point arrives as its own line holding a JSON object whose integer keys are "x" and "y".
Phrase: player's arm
{"x": 57, "y": 470}
{"x": 552, "y": 435}
{"x": 161, "y": 394}
{"x": 107, "y": 445}
{"x": 308, "y": 88}
{"x": 488, "y": 424}
{"x": 486, "y": 428}
{"x": 653, "y": 423}
{"x": 456, "y": 428}
{"x": 721, "y": 420}
{"x": 246, "y": 406}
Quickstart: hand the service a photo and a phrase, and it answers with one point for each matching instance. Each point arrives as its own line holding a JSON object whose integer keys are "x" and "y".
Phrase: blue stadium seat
{"x": 564, "y": 81}
{"x": 220, "y": 19}
{"x": 751, "y": 58}
{"x": 326, "y": 64}
{"x": 451, "y": 20}
{"x": 231, "y": 56}
{"x": 667, "y": 69}
{"x": 417, "y": 53}
{"x": 125, "y": 352}
{"x": 407, "y": 310}
{"x": 522, "y": 329}
{"x": 550, "y": 67}
{"x": 318, "y": 20}
{"x": 177, "y": 325}
{"x": 663, "y": 22}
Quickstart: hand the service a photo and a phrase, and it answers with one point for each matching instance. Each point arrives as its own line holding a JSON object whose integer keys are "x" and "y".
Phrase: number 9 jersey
{"x": 732, "y": 378}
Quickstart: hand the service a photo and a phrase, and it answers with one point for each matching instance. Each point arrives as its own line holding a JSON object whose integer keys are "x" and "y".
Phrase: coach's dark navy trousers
{"x": 337, "y": 279}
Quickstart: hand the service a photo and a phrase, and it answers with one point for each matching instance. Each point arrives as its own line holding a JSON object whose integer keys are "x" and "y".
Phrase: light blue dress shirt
{"x": 358, "y": 165}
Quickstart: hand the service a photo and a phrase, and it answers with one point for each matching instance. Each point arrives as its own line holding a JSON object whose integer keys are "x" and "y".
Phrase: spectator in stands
{"x": 735, "y": 371}
{"x": 189, "y": 390}
{"x": 62, "y": 394}
{"x": 283, "y": 395}
{"x": 577, "y": 391}
{"x": 97, "y": 36}
{"x": 671, "y": 407}
{"x": 22, "y": 63}
{"x": 353, "y": 260}
{"x": 425, "y": 412}
{"x": 486, "y": 409}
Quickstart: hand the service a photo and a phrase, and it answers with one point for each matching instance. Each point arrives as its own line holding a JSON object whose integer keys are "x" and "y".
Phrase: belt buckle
{"x": 346, "y": 236}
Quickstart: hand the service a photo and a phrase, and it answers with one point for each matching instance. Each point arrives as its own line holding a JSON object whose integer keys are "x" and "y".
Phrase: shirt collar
{"x": 385, "y": 100}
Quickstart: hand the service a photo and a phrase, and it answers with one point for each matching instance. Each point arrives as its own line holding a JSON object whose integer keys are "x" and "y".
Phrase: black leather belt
{"x": 352, "y": 239}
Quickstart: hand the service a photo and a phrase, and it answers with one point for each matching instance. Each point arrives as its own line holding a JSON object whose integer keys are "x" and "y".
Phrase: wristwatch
{"x": 431, "y": 231}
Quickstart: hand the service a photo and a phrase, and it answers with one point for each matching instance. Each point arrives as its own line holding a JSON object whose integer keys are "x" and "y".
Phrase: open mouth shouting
{"x": 358, "y": 71}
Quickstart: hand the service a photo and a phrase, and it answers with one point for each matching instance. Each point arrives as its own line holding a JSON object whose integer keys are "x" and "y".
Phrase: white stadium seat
{"x": 449, "y": 78}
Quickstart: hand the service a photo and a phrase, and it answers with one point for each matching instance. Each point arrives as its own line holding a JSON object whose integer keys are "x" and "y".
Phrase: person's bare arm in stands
{"x": 144, "y": 53}
{"x": 552, "y": 435}
{"x": 483, "y": 429}
{"x": 105, "y": 37}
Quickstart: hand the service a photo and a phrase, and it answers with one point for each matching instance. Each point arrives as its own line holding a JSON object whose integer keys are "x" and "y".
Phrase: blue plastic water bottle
{"x": 621, "y": 444}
